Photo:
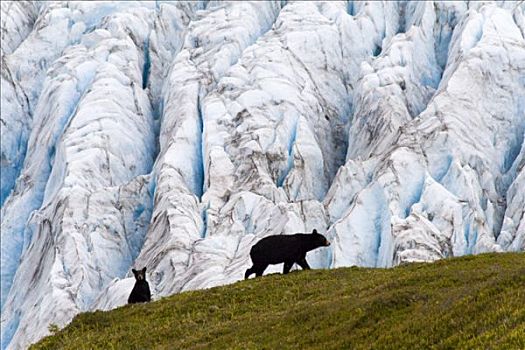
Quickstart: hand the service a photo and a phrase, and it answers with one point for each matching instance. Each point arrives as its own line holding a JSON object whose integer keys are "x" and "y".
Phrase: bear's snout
{"x": 327, "y": 243}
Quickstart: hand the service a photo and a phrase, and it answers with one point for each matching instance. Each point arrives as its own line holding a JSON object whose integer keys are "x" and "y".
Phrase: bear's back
{"x": 274, "y": 249}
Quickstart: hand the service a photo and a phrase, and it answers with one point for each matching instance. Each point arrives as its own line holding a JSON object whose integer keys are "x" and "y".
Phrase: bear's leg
{"x": 259, "y": 269}
{"x": 287, "y": 266}
{"x": 248, "y": 273}
{"x": 304, "y": 265}
{"x": 133, "y": 296}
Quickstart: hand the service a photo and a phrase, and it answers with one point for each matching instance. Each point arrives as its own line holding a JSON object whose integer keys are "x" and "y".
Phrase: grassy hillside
{"x": 474, "y": 302}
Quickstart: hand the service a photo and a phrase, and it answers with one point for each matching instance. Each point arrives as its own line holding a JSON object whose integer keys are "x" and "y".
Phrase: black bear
{"x": 140, "y": 292}
{"x": 287, "y": 249}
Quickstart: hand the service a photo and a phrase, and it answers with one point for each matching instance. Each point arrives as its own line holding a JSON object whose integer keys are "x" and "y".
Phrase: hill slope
{"x": 464, "y": 303}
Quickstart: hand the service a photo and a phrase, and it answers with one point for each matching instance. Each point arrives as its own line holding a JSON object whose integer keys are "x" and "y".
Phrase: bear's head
{"x": 140, "y": 275}
{"x": 319, "y": 239}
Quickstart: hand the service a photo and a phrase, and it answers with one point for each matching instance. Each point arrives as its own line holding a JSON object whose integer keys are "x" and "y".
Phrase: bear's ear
{"x": 134, "y": 271}
{"x": 314, "y": 231}
{"x": 144, "y": 270}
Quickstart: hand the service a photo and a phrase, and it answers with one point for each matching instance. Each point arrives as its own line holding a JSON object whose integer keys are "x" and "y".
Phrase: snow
{"x": 82, "y": 222}
{"x": 362, "y": 235}
{"x": 59, "y": 26}
{"x": 176, "y": 135}
{"x": 180, "y": 219}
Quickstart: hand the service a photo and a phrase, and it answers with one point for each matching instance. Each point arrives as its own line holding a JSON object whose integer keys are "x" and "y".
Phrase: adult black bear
{"x": 140, "y": 292}
{"x": 287, "y": 249}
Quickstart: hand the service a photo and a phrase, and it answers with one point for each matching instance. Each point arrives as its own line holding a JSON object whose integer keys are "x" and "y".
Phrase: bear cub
{"x": 287, "y": 249}
{"x": 140, "y": 292}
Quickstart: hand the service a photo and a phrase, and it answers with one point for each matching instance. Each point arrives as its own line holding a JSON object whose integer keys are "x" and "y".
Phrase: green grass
{"x": 473, "y": 302}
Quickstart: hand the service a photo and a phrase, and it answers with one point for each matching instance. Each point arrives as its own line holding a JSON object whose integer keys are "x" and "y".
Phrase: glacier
{"x": 174, "y": 135}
